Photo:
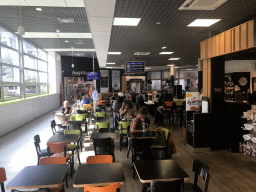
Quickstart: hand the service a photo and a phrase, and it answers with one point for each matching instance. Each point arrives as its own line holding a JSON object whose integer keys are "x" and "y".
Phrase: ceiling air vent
{"x": 201, "y": 4}
{"x": 142, "y": 53}
{"x": 66, "y": 20}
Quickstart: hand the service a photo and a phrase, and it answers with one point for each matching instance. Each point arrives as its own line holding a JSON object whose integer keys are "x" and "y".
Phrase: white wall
{"x": 241, "y": 66}
{"x": 55, "y": 74}
{"x": 17, "y": 114}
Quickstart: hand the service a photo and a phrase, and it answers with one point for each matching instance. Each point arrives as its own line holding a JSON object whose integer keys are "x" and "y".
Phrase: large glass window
{"x": 10, "y": 74}
{"x": 30, "y": 62}
{"x": 11, "y": 92}
{"x": 42, "y": 54}
{"x": 31, "y": 90}
{"x": 9, "y": 56}
{"x": 29, "y": 49}
{"x": 8, "y": 39}
{"x": 42, "y": 66}
{"x": 156, "y": 85}
{"x": 155, "y": 75}
{"x": 43, "y": 89}
{"x": 30, "y": 76}
{"x": 43, "y": 77}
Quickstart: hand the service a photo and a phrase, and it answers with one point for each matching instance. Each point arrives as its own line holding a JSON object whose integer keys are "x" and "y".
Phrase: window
{"x": 9, "y": 56}
{"x": 42, "y": 66}
{"x": 43, "y": 77}
{"x": 10, "y": 74}
{"x": 30, "y": 76}
{"x": 43, "y": 89}
{"x": 42, "y": 54}
{"x": 156, "y": 84}
{"x": 31, "y": 91}
{"x": 29, "y": 49}
{"x": 8, "y": 39}
{"x": 11, "y": 92}
{"x": 30, "y": 62}
{"x": 165, "y": 74}
{"x": 155, "y": 75}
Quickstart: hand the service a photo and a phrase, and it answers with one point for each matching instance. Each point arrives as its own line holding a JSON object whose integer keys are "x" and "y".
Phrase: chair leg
{"x": 121, "y": 141}
{"x": 78, "y": 157}
{"x": 134, "y": 173}
{"x": 129, "y": 147}
{"x": 66, "y": 180}
{"x": 2, "y": 187}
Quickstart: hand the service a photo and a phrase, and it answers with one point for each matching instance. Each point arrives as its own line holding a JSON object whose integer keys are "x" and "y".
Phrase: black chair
{"x": 153, "y": 155}
{"x": 167, "y": 186}
{"x": 54, "y": 131}
{"x": 147, "y": 122}
{"x": 139, "y": 145}
{"x": 104, "y": 146}
{"x": 201, "y": 169}
{"x": 40, "y": 153}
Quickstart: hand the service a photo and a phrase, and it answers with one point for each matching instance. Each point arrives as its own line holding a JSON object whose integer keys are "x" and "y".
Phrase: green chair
{"x": 123, "y": 126}
{"x": 103, "y": 126}
{"x": 100, "y": 115}
{"x": 74, "y": 147}
{"x": 178, "y": 110}
{"x": 81, "y": 117}
{"x": 78, "y": 117}
{"x": 165, "y": 147}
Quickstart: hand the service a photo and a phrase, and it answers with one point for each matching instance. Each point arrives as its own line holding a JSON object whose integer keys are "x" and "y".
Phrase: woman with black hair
{"x": 116, "y": 113}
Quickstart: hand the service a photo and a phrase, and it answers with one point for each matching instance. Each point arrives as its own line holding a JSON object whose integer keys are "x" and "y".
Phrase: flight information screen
{"x": 135, "y": 67}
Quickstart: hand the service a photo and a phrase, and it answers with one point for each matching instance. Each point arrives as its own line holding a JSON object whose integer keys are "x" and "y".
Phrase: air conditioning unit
{"x": 201, "y": 4}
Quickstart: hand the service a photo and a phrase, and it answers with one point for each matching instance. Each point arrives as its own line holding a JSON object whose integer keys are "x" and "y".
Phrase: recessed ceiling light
{"x": 66, "y": 41}
{"x": 203, "y": 22}
{"x": 109, "y": 67}
{"x": 158, "y": 23}
{"x": 165, "y": 53}
{"x": 114, "y": 53}
{"x": 111, "y": 63}
{"x": 39, "y": 9}
{"x": 126, "y": 21}
{"x": 122, "y": 65}
{"x": 148, "y": 68}
{"x": 189, "y": 69}
{"x": 176, "y": 67}
{"x": 50, "y": 41}
{"x": 196, "y": 65}
{"x": 171, "y": 65}
{"x": 174, "y": 59}
{"x": 164, "y": 47}
{"x": 142, "y": 53}
{"x": 57, "y": 31}
{"x": 66, "y": 20}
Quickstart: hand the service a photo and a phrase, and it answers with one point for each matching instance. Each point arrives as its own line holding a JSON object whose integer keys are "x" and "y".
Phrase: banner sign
{"x": 192, "y": 101}
{"x": 93, "y": 75}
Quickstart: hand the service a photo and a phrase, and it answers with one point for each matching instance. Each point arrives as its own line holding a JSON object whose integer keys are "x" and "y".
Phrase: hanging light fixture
{"x": 72, "y": 65}
{"x": 149, "y": 81}
{"x": 21, "y": 30}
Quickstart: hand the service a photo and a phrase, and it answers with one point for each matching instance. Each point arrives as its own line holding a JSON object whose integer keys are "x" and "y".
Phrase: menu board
{"x": 135, "y": 67}
{"x": 192, "y": 101}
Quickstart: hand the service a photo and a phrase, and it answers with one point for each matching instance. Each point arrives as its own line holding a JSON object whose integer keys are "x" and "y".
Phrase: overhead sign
{"x": 78, "y": 73}
{"x": 93, "y": 75}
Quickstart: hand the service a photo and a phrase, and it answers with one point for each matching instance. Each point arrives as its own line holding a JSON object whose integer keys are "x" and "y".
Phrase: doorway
{"x": 135, "y": 87}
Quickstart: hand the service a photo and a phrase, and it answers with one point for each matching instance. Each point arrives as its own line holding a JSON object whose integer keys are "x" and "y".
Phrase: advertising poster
{"x": 192, "y": 101}
{"x": 115, "y": 80}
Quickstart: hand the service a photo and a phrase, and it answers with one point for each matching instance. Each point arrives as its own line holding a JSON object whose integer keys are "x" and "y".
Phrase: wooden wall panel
{"x": 237, "y": 38}
{"x": 232, "y": 40}
{"x": 244, "y": 36}
{"x": 209, "y": 76}
{"x": 222, "y": 43}
{"x": 217, "y": 48}
{"x": 202, "y": 50}
{"x": 214, "y": 46}
{"x": 123, "y": 84}
{"x": 205, "y": 78}
{"x": 209, "y": 48}
{"x": 250, "y": 34}
{"x": 228, "y": 41}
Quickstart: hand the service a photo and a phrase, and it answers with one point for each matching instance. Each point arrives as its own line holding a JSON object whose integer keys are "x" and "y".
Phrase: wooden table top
{"x": 148, "y": 134}
{"x": 64, "y": 138}
{"x": 39, "y": 176}
{"x": 114, "y": 135}
{"x": 159, "y": 169}
{"x": 99, "y": 175}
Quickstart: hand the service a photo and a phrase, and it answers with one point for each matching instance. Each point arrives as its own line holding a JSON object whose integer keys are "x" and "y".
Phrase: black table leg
{"x": 144, "y": 187}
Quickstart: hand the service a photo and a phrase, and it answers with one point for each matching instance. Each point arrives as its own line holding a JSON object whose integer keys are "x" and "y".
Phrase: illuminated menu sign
{"x": 135, "y": 66}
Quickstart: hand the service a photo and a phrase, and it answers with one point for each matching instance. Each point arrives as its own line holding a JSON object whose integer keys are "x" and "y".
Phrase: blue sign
{"x": 93, "y": 75}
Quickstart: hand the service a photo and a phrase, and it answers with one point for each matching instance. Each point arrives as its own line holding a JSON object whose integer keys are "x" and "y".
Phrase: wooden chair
{"x": 98, "y": 159}
{"x": 2, "y": 178}
{"x": 111, "y": 188}
{"x": 54, "y": 161}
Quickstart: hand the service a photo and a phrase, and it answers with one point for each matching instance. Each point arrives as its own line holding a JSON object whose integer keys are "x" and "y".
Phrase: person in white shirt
{"x": 95, "y": 98}
{"x": 120, "y": 94}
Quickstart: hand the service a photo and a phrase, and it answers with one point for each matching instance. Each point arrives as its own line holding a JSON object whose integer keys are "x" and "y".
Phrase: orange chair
{"x": 87, "y": 105}
{"x": 110, "y": 188}
{"x": 98, "y": 159}
{"x": 168, "y": 109}
{"x": 2, "y": 178}
{"x": 54, "y": 161}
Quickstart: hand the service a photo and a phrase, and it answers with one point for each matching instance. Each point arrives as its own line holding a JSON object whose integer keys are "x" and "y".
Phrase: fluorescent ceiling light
{"x": 203, "y": 22}
{"x": 111, "y": 63}
{"x": 57, "y": 31}
{"x": 171, "y": 65}
{"x": 164, "y": 47}
{"x": 148, "y": 68}
{"x": 142, "y": 53}
{"x": 126, "y": 21}
{"x": 66, "y": 20}
{"x": 75, "y": 50}
{"x": 165, "y": 53}
{"x": 109, "y": 67}
{"x": 114, "y": 53}
{"x": 174, "y": 59}
{"x": 158, "y": 23}
{"x": 176, "y": 67}
{"x": 39, "y": 9}
{"x": 57, "y": 35}
{"x": 66, "y": 41}
{"x": 189, "y": 69}
{"x": 122, "y": 65}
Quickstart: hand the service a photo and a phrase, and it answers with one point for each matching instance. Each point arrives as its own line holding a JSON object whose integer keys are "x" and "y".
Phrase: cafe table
{"x": 99, "y": 175}
{"x": 113, "y": 135}
{"x": 39, "y": 176}
{"x": 148, "y": 171}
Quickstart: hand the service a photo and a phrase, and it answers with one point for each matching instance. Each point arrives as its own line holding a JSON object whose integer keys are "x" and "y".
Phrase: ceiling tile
{"x": 49, "y": 3}
{"x": 103, "y": 9}
{"x": 14, "y": 2}
{"x": 100, "y": 24}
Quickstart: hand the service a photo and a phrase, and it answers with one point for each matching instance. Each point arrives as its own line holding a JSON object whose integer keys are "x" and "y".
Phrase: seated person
{"x": 137, "y": 122}
{"x": 139, "y": 101}
{"x": 116, "y": 111}
{"x": 125, "y": 109}
{"x": 120, "y": 94}
{"x": 85, "y": 100}
{"x": 113, "y": 97}
{"x": 65, "y": 109}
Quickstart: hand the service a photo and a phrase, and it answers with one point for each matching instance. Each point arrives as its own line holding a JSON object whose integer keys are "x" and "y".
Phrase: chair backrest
{"x": 53, "y": 124}
{"x": 2, "y": 175}
{"x": 168, "y": 103}
{"x": 110, "y": 188}
{"x": 201, "y": 169}
{"x": 37, "y": 143}
{"x": 52, "y": 160}
{"x": 179, "y": 103}
{"x": 60, "y": 147}
{"x": 102, "y": 125}
{"x": 72, "y": 132}
{"x": 166, "y": 132}
{"x": 158, "y": 154}
{"x": 100, "y": 114}
{"x": 81, "y": 117}
{"x": 87, "y": 105}
{"x": 103, "y": 145}
{"x": 124, "y": 126}
{"x": 98, "y": 159}
{"x": 164, "y": 186}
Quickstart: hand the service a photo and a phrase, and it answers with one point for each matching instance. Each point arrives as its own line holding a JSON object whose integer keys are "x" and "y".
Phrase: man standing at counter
{"x": 95, "y": 98}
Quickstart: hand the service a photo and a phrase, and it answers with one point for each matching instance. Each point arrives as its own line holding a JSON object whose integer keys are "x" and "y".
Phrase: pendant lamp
{"x": 21, "y": 30}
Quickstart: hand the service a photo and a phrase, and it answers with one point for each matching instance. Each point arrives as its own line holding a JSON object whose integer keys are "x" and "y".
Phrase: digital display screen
{"x": 93, "y": 75}
{"x": 135, "y": 67}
